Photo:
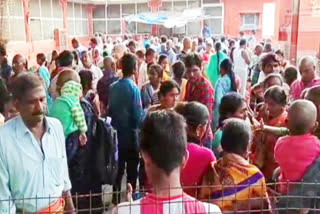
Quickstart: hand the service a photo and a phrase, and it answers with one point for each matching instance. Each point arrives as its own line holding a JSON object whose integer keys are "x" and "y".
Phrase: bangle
{"x": 284, "y": 131}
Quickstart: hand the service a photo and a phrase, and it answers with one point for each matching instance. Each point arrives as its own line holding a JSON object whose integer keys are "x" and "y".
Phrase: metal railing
{"x": 300, "y": 197}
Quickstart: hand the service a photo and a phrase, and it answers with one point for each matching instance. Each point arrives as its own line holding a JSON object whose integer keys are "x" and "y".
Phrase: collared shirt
{"x": 298, "y": 86}
{"x": 30, "y": 171}
{"x": 125, "y": 107}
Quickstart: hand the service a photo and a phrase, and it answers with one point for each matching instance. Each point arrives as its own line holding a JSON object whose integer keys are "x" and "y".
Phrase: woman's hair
{"x": 193, "y": 59}
{"x": 178, "y": 69}
{"x": 76, "y": 57}
{"x": 272, "y": 76}
{"x": 54, "y": 55}
{"x": 194, "y": 112}
{"x": 229, "y": 105}
{"x": 290, "y": 74}
{"x": 167, "y": 86}
{"x": 218, "y": 49}
{"x": 161, "y": 58}
{"x": 227, "y": 65}
{"x": 236, "y": 136}
{"x": 86, "y": 78}
{"x": 277, "y": 94}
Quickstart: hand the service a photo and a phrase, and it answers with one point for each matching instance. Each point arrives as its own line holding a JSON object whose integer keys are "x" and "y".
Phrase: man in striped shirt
{"x": 163, "y": 148}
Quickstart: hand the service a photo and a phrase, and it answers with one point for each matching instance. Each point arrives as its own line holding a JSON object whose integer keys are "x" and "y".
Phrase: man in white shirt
{"x": 88, "y": 65}
{"x": 163, "y": 132}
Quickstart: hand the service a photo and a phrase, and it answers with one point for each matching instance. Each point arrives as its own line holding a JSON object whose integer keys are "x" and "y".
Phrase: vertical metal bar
{"x": 41, "y": 24}
{"x": 294, "y": 31}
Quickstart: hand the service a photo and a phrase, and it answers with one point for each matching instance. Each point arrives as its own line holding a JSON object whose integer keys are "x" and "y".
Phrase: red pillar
{"x": 294, "y": 31}
{"x": 90, "y": 22}
{"x": 26, "y": 5}
{"x": 154, "y": 6}
{"x": 64, "y": 7}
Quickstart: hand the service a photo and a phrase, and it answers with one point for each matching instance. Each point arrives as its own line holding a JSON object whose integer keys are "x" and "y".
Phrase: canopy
{"x": 169, "y": 19}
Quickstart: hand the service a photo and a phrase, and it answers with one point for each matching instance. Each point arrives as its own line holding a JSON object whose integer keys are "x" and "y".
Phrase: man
{"x": 206, "y": 32}
{"x": 142, "y": 74}
{"x": 44, "y": 73}
{"x": 164, "y": 133}
{"x": 109, "y": 77}
{"x": 77, "y": 47}
{"x": 172, "y": 57}
{"x": 132, "y": 46}
{"x": 5, "y": 68}
{"x": 125, "y": 109}
{"x": 186, "y": 48}
{"x": 19, "y": 65}
{"x": 255, "y": 67}
{"x": 88, "y": 65}
{"x": 241, "y": 64}
{"x": 33, "y": 160}
{"x": 309, "y": 77}
{"x": 199, "y": 89}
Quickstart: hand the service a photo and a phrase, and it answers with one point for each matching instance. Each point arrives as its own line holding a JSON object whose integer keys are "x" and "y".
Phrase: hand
{"x": 83, "y": 139}
{"x": 129, "y": 193}
{"x": 258, "y": 126}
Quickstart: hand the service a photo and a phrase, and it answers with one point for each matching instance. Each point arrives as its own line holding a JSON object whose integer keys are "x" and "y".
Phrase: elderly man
{"x": 186, "y": 48}
{"x": 309, "y": 77}
{"x": 33, "y": 164}
{"x": 171, "y": 54}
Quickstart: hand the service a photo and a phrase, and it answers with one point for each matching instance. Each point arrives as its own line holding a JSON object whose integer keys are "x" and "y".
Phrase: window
{"x": 215, "y": 20}
{"x": 250, "y": 21}
{"x": 114, "y": 27}
{"x": 77, "y": 19}
{"x": 12, "y": 28}
{"x": 144, "y": 28}
{"x": 211, "y": 1}
{"x": 113, "y": 11}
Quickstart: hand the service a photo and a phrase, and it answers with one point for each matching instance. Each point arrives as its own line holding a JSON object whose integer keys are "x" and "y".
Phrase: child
{"x": 296, "y": 152}
{"x": 67, "y": 109}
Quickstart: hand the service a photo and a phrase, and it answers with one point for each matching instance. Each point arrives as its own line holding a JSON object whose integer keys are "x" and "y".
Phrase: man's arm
{"x": 6, "y": 204}
{"x": 69, "y": 208}
{"x": 138, "y": 113}
{"x": 245, "y": 57}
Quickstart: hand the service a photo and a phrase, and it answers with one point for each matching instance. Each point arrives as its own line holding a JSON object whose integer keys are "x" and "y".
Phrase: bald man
{"x": 296, "y": 153}
{"x": 19, "y": 65}
{"x": 109, "y": 77}
{"x": 186, "y": 48}
{"x": 309, "y": 77}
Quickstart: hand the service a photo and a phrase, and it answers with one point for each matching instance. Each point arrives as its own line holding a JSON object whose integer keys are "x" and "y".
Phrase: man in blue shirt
{"x": 206, "y": 32}
{"x": 126, "y": 111}
{"x": 33, "y": 164}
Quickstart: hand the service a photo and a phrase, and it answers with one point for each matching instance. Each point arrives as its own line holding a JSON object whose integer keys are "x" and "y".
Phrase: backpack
{"x": 103, "y": 157}
{"x": 106, "y": 152}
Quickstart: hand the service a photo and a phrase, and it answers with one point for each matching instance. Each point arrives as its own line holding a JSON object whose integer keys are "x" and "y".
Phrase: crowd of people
{"x": 203, "y": 125}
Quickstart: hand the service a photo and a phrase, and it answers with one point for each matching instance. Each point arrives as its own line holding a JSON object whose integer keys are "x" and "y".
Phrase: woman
{"x": 225, "y": 84}
{"x": 232, "y": 182}
{"x": 263, "y": 144}
{"x": 164, "y": 63}
{"x": 213, "y": 68}
{"x": 178, "y": 70}
{"x": 52, "y": 65}
{"x": 200, "y": 158}
{"x": 168, "y": 96}
{"x": 148, "y": 89}
{"x": 232, "y": 106}
{"x": 209, "y": 50}
{"x": 89, "y": 94}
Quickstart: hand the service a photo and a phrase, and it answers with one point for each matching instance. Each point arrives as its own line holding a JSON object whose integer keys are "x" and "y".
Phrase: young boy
{"x": 67, "y": 109}
{"x": 296, "y": 152}
{"x": 164, "y": 132}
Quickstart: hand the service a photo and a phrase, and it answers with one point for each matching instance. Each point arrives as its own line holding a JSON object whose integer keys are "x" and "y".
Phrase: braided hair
{"x": 218, "y": 49}
{"x": 227, "y": 65}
